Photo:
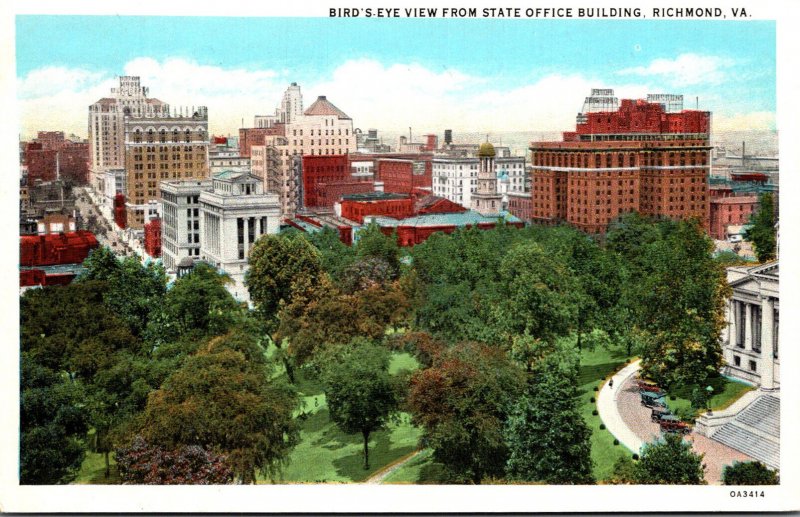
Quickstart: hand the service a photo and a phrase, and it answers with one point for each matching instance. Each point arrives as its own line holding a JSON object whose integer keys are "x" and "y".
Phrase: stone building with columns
{"x": 750, "y": 340}
{"x": 234, "y": 213}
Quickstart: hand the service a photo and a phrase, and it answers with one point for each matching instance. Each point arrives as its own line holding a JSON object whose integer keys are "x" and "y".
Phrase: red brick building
{"x": 250, "y": 136}
{"x": 521, "y": 205}
{"x": 329, "y": 177}
{"x": 638, "y": 158}
{"x": 402, "y": 175}
{"x": 152, "y": 238}
{"x": 730, "y": 210}
{"x": 50, "y": 156}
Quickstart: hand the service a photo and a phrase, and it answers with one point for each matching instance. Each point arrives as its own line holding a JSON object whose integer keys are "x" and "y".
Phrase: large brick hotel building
{"x": 649, "y": 156}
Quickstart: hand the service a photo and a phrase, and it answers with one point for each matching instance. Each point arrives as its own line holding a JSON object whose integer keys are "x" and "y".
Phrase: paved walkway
{"x": 608, "y": 407}
{"x": 379, "y": 476}
{"x": 626, "y": 418}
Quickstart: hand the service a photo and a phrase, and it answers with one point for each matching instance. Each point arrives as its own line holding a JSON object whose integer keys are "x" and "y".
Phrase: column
{"x": 246, "y": 232}
{"x": 767, "y": 347}
{"x": 748, "y": 327}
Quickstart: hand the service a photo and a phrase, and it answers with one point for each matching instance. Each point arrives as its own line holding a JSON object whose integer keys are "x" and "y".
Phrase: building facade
{"x": 647, "y": 156}
{"x": 180, "y": 221}
{"x": 486, "y": 200}
{"x": 234, "y": 213}
{"x": 750, "y": 340}
{"x": 107, "y": 125}
{"x": 162, "y": 148}
{"x": 456, "y": 178}
{"x": 730, "y": 211}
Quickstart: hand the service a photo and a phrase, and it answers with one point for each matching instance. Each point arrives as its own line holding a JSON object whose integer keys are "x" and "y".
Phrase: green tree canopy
{"x": 52, "y": 425}
{"x": 670, "y": 461}
{"x": 749, "y": 473}
{"x": 222, "y": 400}
{"x": 762, "y": 231}
{"x": 276, "y": 263}
{"x": 133, "y": 289}
{"x": 462, "y": 402}
{"x": 548, "y": 440}
{"x": 373, "y": 243}
{"x": 361, "y": 395}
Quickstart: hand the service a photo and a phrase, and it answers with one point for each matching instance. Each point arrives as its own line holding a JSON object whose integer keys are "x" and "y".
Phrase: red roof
{"x": 322, "y": 106}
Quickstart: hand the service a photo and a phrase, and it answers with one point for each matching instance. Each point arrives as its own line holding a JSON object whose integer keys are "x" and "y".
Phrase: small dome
{"x": 486, "y": 150}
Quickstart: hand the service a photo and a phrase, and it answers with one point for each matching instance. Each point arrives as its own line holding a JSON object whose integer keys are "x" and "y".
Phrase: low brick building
{"x": 731, "y": 210}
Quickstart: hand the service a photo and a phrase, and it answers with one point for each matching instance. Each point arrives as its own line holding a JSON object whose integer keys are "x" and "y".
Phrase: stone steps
{"x": 755, "y": 431}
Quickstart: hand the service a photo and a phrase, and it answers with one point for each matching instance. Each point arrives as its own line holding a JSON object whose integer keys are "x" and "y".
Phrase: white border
{"x": 361, "y": 498}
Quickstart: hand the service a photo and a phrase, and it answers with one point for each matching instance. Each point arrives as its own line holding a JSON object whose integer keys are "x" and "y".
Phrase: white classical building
{"x": 234, "y": 213}
{"x": 180, "y": 223}
{"x": 750, "y": 340}
{"x": 456, "y": 178}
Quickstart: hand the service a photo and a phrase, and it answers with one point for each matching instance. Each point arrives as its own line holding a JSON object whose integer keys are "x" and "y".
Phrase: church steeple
{"x": 486, "y": 200}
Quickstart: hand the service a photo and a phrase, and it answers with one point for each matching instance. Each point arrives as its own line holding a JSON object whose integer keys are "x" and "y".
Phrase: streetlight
{"x": 709, "y": 390}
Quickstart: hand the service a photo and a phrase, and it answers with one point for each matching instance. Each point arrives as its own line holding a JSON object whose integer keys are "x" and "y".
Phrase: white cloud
{"x": 685, "y": 70}
{"x": 390, "y": 97}
{"x": 755, "y": 121}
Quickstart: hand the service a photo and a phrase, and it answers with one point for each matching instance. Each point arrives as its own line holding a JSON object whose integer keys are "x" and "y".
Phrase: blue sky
{"x": 478, "y": 74}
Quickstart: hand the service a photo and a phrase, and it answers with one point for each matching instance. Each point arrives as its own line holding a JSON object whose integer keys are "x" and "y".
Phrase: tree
{"x": 199, "y": 302}
{"x": 461, "y": 402}
{"x": 624, "y": 472}
{"x": 678, "y": 298}
{"x": 670, "y": 461}
{"x": 365, "y": 273}
{"x": 52, "y": 426}
{"x": 762, "y": 231}
{"x": 335, "y": 256}
{"x": 547, "y": 438}
{"x": 276, "y": 263}
{"x": 361, "y": 395}
{"x": 749, "y": 473}
{"x": 373, "y": 243}
{"x": 222, "y": 400}
{"x": 141, "y": 463}
{"x": 132, "y": 289}
{"x": 537, "y": 296}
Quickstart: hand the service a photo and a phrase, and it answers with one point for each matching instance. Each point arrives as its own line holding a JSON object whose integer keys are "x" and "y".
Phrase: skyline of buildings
{"x": 431, "y": 84}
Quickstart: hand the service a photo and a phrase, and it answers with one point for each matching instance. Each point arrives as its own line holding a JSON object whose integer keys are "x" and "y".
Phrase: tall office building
{"x": 649, "y": 156}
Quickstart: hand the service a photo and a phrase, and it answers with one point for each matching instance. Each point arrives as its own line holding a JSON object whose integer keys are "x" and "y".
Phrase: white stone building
{"x": 750, "y": 340}
{"x": 322, "y": 129}
{"x": 234, "y": 213}
{"x": 107, "y": 128}
{"x": 456, "y": 178}
{"x": 180, "y": 221}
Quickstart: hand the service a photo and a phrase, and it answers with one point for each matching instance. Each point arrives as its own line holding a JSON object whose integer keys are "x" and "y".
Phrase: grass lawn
{"x": 595, "y": 366}
{"x": 726, "y": 392}
{"x": 325, "y": 454}
{"x": 93, "y": 470}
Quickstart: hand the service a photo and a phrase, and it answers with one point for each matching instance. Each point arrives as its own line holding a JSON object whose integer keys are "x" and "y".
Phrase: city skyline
{"x": 428, "y": 74}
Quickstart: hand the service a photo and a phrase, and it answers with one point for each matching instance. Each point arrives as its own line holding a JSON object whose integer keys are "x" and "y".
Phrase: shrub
{"x": 595, "y": 388}
{"x": 591, "y": 400}
{"x": 673, "y": 397}
{"x": 616, "y": 442}
{"x": 635, "y": 456}
{"x": 602, "y": 426}
{"x": 749, "y": 473}
{"x": 594, "y": 412}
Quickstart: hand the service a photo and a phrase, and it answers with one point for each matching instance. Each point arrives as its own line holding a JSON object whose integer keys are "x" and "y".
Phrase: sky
{"x": 470, "y": 75}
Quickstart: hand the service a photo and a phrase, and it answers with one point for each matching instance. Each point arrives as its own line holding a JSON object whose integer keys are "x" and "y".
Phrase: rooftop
{"x": 373, "y": 196}
{"x": 322, "y": 106}
{"x": 468, "y": 218}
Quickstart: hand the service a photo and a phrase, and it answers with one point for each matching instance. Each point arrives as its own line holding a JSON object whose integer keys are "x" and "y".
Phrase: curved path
{"x": 620, "y": 409}
{"x": 608, "y": 407}
{"x": 379, "y": 476}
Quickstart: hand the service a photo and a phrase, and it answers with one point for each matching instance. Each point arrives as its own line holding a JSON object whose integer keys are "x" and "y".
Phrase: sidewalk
{"x": 608, "y": 409}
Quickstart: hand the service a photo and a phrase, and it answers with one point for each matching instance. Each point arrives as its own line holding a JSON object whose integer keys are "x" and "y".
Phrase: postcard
{"x": 375, "y": 257}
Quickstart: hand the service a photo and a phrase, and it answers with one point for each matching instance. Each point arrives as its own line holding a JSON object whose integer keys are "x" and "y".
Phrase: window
{"x": 752, "y": 365}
